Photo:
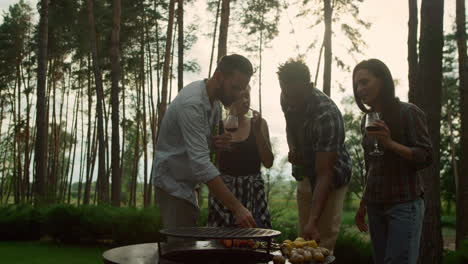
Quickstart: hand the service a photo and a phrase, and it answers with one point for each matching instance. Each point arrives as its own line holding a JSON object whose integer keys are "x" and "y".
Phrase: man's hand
{"x": 360, "y": 218}
{"x": 222, "y": 142}
{"x": 244, "y": 218}
{"x": 311, "y": 232}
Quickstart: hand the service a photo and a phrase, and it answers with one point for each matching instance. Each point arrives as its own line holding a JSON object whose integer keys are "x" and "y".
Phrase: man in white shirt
{"x": 186, "y": 138}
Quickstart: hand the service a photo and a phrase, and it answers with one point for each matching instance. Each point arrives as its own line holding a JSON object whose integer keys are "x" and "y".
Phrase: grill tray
{"x": 220, "y": 233}
{"x": 211, "y": 252}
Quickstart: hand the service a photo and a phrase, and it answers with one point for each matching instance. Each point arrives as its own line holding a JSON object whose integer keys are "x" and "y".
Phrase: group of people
{"x": 195, "y": 147}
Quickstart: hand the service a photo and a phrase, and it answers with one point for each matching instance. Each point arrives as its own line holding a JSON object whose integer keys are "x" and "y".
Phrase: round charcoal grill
{"x": 203, "y": 245}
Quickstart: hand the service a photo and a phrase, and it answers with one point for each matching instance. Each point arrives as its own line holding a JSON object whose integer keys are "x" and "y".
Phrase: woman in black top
{"x": 240, "y": 167}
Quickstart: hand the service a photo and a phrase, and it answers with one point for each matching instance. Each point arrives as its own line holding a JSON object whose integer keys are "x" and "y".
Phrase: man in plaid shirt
{"x": 315, "y": 133}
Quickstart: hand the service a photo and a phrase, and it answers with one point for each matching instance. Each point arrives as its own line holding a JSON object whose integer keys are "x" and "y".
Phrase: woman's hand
{"x": 257, "y": 123}
{"x": 360, "y": 218}
{"x": 383, "y": 135}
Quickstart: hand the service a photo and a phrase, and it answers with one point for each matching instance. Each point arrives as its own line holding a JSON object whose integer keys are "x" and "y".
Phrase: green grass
{"x": 46, "y": 252}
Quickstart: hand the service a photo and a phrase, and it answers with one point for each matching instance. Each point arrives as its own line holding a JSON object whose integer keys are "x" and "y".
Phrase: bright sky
{"x": 386, "y": 40}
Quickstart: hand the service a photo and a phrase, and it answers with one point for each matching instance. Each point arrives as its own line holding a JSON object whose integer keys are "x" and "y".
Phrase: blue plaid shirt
{"x": 322, "y": 131}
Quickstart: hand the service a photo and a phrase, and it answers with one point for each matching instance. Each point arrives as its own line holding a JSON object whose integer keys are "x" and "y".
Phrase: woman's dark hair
{"x": 389, "y": 102}
{"x": 235, "y": 62}
{"x": 381, "y": 72}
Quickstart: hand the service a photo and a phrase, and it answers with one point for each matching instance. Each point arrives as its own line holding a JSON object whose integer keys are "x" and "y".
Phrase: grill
{"x": 221, "y": 233}
{"x": 201, "y": 248}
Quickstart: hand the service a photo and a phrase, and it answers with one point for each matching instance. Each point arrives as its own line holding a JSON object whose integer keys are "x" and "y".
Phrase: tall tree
{"x": 462, "y": 186}
{"x": 103, "y": 180}
{"x": 223, "y": 28}
{"x": 180, "y": 40}
{"x": 336, "y": 14}
{"x": 430, "y": 82}
{"x": 261, "y": 18}
{"x": 412, "y": 47}
{"x": 41, "y": 114}
{"x": 167, "y": 58}
{"x": 214, "y": 36}
{"x": 115, "y": 78}
{"x": 327, "y": 41}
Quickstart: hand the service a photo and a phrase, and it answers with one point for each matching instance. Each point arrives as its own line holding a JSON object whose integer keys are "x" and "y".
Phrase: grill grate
{"x": 220, "y": 232}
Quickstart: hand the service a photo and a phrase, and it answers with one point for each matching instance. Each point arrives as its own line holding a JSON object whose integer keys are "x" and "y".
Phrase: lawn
{"x": 44, "y": 252}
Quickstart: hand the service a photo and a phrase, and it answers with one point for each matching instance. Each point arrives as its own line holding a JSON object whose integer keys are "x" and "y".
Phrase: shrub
{"x": 20, "y": 222}
{"x": 351, "y": 248}
{"x": 80, "y": 225}
{"x": 457, "y": 257}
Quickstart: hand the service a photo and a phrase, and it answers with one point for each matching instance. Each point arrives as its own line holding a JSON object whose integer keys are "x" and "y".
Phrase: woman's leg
{"x": 378, "y": 227}
{"x": 405, "y": 224}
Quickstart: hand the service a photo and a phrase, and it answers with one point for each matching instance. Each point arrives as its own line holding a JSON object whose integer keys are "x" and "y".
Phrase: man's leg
{"x": 304, "y": 203}
{"x": 330, "y": 219}
{"x": 175, "y": 212}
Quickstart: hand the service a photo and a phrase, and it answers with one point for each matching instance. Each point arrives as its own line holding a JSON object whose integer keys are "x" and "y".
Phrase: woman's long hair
{"x": 389, "y": 102}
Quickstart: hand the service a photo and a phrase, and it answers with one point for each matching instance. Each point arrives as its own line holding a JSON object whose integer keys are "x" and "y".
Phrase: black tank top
{"x": 243, "y": 159}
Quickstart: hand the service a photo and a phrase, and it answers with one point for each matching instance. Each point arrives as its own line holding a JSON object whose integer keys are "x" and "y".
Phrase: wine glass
{"x": 231, "y": 124}
{"x": 371, "y": 119}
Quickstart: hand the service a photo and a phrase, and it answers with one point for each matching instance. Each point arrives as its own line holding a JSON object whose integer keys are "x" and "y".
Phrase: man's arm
{"x": 324, "y": 163}
{"x": 328, "y": 135}
{"x": 219, "y": 190}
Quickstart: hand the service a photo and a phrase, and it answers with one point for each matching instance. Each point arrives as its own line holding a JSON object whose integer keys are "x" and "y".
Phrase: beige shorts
{"x": 330, "y": 220}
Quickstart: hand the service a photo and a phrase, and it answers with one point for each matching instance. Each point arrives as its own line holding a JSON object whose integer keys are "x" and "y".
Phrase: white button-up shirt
{"x": 182, "y": 157}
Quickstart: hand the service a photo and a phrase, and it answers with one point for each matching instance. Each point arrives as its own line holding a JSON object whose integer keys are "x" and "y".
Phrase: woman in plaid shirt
{"x": 393, "y": 197}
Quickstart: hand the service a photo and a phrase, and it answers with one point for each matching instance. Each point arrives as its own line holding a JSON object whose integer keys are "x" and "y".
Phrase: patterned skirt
{"x": 250, "y": 191}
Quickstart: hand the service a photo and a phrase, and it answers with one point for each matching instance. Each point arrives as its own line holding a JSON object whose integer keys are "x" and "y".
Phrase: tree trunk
{"x": 260, "y": 50}
{"x": 318, "y": 63}
{"x": 430, "y": 82}
{"x": 412, "y": 48}
{"x": 462, "y": 192}
{"x": 144, "y": 130}
{"x": 41, "y": 114}
{"x": 167, "y": 58}
{"x": 115, "y": 75}
{"x": 180, "y": 64}
{"x": 171, "y": 68}
{"x": 214, "y": 37}
{"x": 328, "y": 47}
{"x": 89, "y": 145}
{"x": 103, "y": 181}
{"x": 70, "y": 182}
{"x": 223, "y": 29}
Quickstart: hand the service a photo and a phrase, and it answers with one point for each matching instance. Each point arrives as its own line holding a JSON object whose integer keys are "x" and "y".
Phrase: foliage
{"x": 450, "y": 127}
{"x": 20, "y": 222}
{"x": 80, "y": 225}
{"x": 346, "y": 17}
{"x": 457, "y": 257}
{"x": 350, "y": 246}
{"x": 352, "y": 123}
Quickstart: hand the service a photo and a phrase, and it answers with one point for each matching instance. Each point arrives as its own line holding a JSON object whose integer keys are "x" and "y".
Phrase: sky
{"x": 386, "y": 40}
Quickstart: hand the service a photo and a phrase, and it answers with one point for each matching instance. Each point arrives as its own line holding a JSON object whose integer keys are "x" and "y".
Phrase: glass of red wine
{"x": 231, "y": 124}
{"x": 371, "y": 119}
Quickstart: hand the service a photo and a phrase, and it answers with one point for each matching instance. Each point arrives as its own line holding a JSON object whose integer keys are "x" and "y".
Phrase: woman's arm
{"x": 262, "y": 138}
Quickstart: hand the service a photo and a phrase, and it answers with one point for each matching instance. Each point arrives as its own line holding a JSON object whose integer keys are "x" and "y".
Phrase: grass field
{"x": 48, "y": 253}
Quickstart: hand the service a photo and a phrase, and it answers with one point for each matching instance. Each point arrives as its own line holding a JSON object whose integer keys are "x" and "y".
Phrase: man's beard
{"x": 225, "y": 100}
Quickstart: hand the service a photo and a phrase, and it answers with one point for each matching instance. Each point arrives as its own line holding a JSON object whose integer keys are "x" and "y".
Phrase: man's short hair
{"x": 293, "y": 70}
{"x": 235, "y": 62}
